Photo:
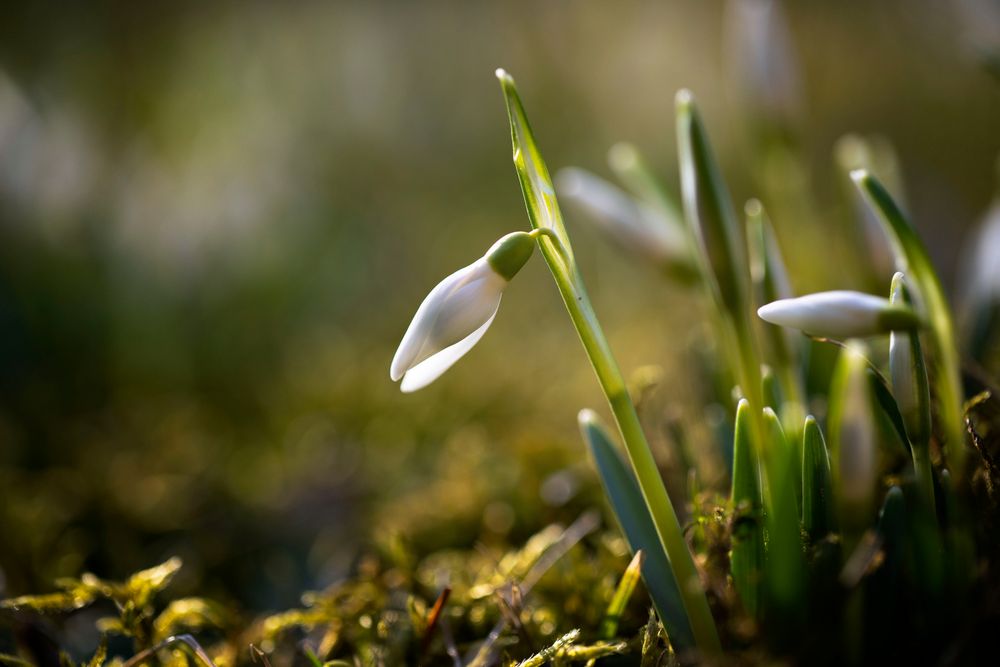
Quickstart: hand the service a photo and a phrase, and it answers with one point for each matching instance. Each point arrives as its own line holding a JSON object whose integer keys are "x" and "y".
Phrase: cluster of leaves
{"x": 860, "y": 550}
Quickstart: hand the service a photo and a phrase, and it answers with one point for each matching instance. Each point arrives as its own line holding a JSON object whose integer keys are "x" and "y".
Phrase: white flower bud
{"x": 638, "y": 227}
{"x": 762, "y": 59}
{"x": 840, "y": 314}
{"x": 456, "y": 313}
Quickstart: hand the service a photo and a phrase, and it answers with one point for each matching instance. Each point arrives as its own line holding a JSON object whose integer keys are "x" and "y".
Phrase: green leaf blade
{"x": 914, "y": 260}
{"x": 785, "y": 567}
{"x": 818, "y": 518}
{"x": 630, "y": 509}
{"x": 747, "y": 555}
{"x": 709, "y": 210}
{"x": 536, "y": 184}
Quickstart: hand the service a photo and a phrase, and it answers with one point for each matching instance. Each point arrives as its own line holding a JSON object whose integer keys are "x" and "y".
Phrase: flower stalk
{"x": 543, "y": 212}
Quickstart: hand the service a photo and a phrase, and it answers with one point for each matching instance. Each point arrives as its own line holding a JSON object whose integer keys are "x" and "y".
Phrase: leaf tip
{"x": 505, "y": 78}
{"x": 684, "y": 100}
{"x": 587, "y": 417}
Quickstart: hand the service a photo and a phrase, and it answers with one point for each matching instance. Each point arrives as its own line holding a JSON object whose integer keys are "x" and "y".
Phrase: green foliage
{"x": 626, "y": 586}
{"x": 818, "y": 511}
{"x": 881, "y": 549}
{"x": 629, "y": 508}
{"x": 747, "y": 556}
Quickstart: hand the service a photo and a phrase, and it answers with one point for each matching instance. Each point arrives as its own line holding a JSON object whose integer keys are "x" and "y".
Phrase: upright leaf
{"x": 785, "y": 569}
{"x": 747, "y": 555}
{"x": 818, "y": 517}
{"x": 852, "y": 432}
{"x": 709, "y": 210}
{"x": 912, "y": 259}
{"x": 912, "y": 391}
{"x": 629, "y": 508}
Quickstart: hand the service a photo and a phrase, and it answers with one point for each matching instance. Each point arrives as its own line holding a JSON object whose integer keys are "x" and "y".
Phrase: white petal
{"x": 458, "y": 305}
{"x": 837, "y": 314}
{"x": 761, "y": 56}
{"x": 431, "y": 368}
{"x": 986, "y": 281}
{"x": 638, "y": 227}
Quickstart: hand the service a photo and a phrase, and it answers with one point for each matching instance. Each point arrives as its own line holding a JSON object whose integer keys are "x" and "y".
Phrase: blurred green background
{"x": 216, "y": 222}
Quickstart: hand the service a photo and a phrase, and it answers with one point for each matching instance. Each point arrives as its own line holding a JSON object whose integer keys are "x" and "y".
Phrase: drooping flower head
{"x": 456, "y": 313}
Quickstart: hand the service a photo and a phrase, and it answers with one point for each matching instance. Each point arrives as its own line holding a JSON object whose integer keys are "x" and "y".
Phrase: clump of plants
{"x": 856, "y": 526}
{"x": 852, "y": 537}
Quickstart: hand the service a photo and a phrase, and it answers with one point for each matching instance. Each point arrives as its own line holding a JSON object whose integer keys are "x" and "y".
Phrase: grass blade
{"x": 609, "y": 624}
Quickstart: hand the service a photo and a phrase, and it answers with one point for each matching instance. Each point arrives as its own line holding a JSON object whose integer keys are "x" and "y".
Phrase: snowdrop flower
{"x": 636, "y": 226}
{"x": 840, "y": 314}
{"x": 762, "y": 58}
{"x": 457, "y": 313}
{"x": 980, "y": 280}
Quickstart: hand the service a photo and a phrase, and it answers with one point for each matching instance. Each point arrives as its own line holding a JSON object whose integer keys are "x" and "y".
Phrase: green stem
{"x": 543, "y": 212}
{"x": 924, "y": 475}
{"x": 643, "y": 464}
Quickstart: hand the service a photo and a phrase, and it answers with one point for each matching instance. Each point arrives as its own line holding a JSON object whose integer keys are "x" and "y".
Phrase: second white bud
{"x": 840, "y": 314}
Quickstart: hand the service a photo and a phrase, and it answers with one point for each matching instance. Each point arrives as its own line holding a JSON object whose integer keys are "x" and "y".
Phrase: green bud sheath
{"x": 510, "y": 253}
{"x": 899, "y": 318}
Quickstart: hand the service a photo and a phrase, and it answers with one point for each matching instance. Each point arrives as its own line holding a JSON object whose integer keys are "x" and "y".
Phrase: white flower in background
{"x": 982, "y": 270}
{"x": 980, "y": 280}
{"x": 761, "y": 58}
{"x": 840, "y": 314}
{"x": 636, "y": 226}
{"x": 457, "y": 313}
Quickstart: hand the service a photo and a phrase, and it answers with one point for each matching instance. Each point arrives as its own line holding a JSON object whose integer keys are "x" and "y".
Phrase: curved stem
{"x": 543, "y": 212}
{"x": 540, "y": 232}
{"x": 643, "y": 464}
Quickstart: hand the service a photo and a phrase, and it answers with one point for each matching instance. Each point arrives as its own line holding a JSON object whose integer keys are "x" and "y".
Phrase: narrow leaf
{"x": 629, "y": 508}
{"x": 747, "y": 555}
{"x": 536, "y": 184}
{"x": 709, "y": 210}
{"x": 886, "y": 402}
{"x": 911, "y": 388}
{"x": 852, "y": 434}
{"x": 912, "y": 258}
{"x": 818, "y": 518}
{"x": 623, "y": 592}
{"x": 785, "y": 567}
